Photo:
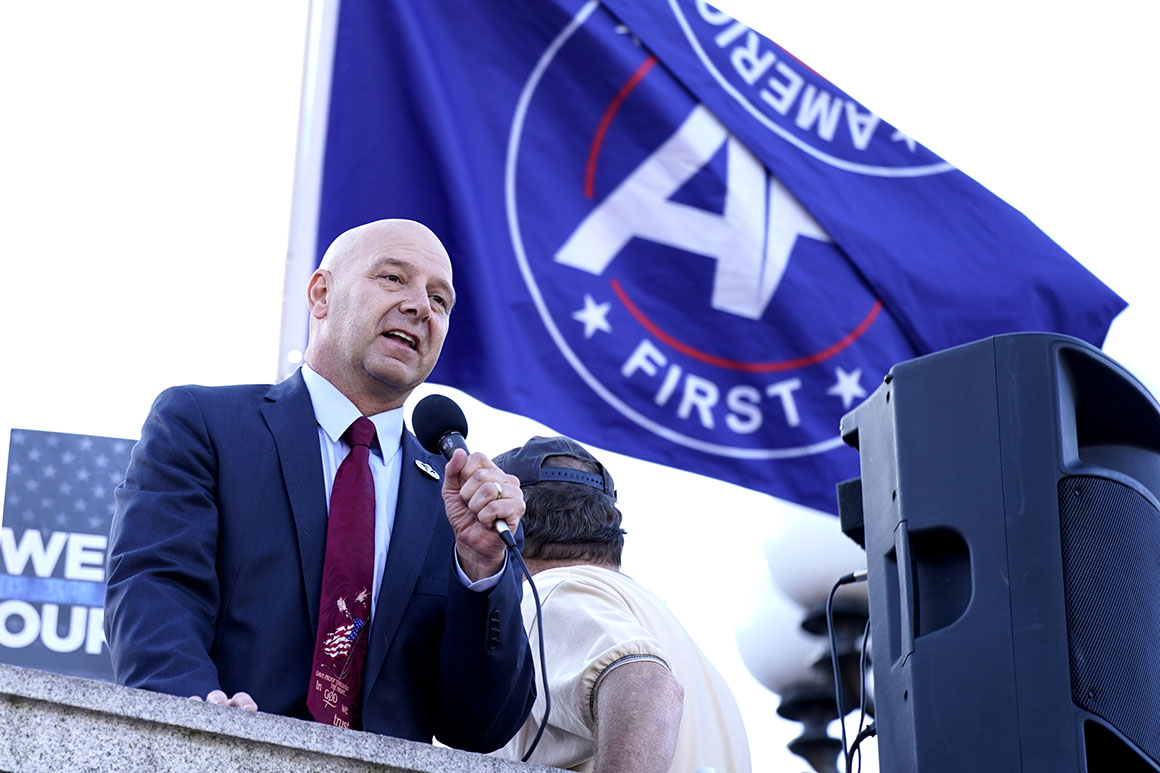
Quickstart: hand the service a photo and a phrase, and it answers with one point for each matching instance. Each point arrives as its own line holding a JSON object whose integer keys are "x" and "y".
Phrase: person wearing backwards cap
{"x": 630, "y": 689}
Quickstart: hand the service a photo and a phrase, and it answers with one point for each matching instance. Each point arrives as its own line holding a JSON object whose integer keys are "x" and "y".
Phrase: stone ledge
{"x": 50, "y": 722}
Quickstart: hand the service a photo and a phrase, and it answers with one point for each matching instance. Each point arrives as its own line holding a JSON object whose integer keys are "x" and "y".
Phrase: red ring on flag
{"x": 748, "y": 367}
{"x": 606, "y": 121}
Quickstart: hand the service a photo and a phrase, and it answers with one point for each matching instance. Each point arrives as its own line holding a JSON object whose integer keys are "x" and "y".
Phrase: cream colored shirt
{"x": 596, "y": 619}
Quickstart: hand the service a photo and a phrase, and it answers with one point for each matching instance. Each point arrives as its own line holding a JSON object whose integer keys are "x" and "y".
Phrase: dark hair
{"x": 571, "y": 520}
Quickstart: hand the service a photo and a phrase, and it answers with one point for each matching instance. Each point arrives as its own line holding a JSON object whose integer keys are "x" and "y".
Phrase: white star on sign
{"x": 847, "y": 386}
{"x": 594, "y": 316}
{"x": 900, "y": 137}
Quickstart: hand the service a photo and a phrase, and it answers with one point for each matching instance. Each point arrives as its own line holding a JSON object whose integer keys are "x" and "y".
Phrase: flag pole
{"x": 302, "y": 248}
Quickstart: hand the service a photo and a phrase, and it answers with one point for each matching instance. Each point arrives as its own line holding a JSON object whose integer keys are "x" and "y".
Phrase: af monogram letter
{"x": 751, "y": 240}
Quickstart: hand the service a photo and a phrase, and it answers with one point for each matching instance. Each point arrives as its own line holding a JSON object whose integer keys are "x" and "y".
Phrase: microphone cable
{"x": 510, "y": 541}
{"x": 849, "y": 579}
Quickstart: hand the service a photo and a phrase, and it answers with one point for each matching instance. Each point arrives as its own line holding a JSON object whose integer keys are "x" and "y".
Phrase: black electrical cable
{"x": 861, "y": 699}
{"x": 870, "y": 731}
{"x": 852, "y": 577}
{"x": 862, "y": 676}
{"x": 543, "y": 663}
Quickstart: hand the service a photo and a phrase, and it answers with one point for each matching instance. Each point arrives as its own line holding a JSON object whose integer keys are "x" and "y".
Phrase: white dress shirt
{"x": 335, "y": 413}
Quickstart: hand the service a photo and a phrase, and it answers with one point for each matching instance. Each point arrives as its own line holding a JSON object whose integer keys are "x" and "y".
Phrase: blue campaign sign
{"x": 58, "y": 500}
{"x": 671, "y": 239}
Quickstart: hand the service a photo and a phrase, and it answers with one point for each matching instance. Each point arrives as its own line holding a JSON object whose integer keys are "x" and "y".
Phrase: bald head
{"x": 379, "y": 307}
{"x": 356, "y": 241}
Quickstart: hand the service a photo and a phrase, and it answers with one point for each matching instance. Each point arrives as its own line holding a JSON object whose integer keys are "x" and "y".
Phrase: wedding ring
{"x": 498, "y": 490}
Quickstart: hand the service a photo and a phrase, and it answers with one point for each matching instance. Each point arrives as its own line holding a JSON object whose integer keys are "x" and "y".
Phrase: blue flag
{"x": 671, "y": 239}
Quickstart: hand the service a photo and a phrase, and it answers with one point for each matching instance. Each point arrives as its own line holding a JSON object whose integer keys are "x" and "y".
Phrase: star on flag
{"x": 594, "y": 316}
{"x": 847, "y": 386}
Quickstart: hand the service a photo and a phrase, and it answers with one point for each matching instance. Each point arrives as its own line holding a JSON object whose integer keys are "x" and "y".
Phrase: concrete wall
{"x": 52, "y": 723}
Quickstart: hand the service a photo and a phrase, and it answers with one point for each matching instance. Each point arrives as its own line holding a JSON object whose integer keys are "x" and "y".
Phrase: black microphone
{"x": 441, "y": 428}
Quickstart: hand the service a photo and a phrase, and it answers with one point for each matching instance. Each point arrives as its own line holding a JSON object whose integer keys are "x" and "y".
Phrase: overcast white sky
{"x": 146, "y": 163}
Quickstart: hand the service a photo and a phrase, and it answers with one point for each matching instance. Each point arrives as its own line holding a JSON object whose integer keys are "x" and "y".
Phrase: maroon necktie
{"x": 340, "y": 646}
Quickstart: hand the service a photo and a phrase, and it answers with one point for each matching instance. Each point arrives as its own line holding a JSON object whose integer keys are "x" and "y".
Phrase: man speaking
{"x": 293, "y": 548}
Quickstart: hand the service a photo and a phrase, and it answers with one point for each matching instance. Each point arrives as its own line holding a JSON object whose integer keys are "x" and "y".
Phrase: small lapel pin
{"x": 427, "y": 469}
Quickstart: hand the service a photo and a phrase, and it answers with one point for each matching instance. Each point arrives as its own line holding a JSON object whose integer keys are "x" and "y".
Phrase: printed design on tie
{"x": 338, "y": 643}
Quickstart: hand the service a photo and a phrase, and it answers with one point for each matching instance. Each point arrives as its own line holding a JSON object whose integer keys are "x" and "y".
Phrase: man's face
{"x": 383, "y": 313}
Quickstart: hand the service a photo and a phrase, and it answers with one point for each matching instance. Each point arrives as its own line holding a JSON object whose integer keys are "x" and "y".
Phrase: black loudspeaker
{"x": 1012, "y": 531}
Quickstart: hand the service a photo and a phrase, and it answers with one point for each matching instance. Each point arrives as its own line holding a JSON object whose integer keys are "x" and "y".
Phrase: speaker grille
{"x": 1111, "y": 566}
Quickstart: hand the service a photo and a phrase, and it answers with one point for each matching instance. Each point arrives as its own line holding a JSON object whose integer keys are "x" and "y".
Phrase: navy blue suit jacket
{"x": 215, "y": 569}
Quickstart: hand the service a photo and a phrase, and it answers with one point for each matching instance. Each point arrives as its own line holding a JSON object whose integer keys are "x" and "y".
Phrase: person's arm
{"x": 162, "y": 591}
{"x": 638, "y": 714}
{"x": 486, "y": 680}
{"x": 486, "y": 683}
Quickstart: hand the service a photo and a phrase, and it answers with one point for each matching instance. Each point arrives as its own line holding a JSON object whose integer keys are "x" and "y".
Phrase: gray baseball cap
{"x": 527, "y": 464}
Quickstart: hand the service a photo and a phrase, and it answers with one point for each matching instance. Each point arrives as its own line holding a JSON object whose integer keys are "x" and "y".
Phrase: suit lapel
{"x": 290, "y": 416}
{"x": 419, "y": 510}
